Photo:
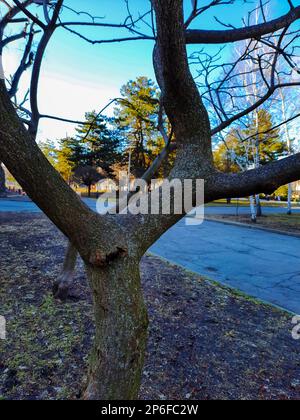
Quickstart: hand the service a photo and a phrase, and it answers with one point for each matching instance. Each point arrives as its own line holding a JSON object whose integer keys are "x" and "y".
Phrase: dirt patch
{"x": 205, "y": 342}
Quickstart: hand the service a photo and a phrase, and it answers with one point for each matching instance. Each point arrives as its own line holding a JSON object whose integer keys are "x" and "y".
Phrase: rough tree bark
{"x": 117, "y": 358}
{"x": 198, "y": 36}
{"x": 112, "y": 246}
{"x": 61, "y": 287}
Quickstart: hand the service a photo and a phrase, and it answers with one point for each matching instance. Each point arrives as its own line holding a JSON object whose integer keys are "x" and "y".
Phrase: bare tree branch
{"x": 197, "y": 36}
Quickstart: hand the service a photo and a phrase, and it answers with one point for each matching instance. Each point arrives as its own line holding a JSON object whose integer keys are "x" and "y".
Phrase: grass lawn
{"x": 246, "y": 203}
{"x": 283, "y": 222}
{"x": 205, "y": 341}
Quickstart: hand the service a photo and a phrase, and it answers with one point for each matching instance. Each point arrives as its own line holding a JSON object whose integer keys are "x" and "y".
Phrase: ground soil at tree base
{"x": 205, "y": 341}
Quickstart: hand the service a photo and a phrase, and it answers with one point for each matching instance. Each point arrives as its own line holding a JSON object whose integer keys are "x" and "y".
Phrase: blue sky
{"x": 78, "y": 77}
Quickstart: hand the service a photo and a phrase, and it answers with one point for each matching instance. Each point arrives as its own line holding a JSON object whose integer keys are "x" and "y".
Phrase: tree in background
{"x": 225, "y": 154}
{"x": 64, "y": 164}
{"x": 49, "y": 149}
{"x": 72, "y": 152}
{"x": 238, "y": 151}
{"x": 288, "y": 107}
{"x": 89, "y": 176}
{"x": 98, "y": 143}
{"x": 137, "y": 113}
{"x": 268, "y": 141}
{"x": 60, "y": 156}
{"x": 236, "y": 89}
{"x": 96, "y": 148}
{"x": 109, "y": 143}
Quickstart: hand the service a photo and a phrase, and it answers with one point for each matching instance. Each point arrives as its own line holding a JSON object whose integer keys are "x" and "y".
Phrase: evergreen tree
{"x": 97, "y": 144}
{"x": 65, "y": 165}
{"x": 89, "y": 176}
{"x": 49, "y": 149}
{"x": 137, "y": 113}
{"x": 271, "y": 145}
{"x": 224, "y": 155}
{"x": 240, "y": 148}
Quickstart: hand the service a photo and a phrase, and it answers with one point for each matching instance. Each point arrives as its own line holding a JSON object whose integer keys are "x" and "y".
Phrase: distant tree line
{"x": 101, "y": 147}
{"x": 242, "y": 146}
{"x": 104, "y": 145}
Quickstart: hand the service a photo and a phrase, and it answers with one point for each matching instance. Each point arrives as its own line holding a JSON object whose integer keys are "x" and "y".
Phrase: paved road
{"x": 25, "y": 205}
{"x": 259, "y": 263}
{"x": 262, "y": 264}
{"x": 20, "y": 205}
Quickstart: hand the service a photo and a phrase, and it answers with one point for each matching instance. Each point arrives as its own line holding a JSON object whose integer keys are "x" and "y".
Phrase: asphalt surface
{"x": 23, "y": 204}
{"x": 261, "y": 264}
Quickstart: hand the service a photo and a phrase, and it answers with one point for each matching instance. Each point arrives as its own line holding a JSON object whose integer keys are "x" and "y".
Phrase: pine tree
{"x": 65, "y": 165}
{"x": 238, "y": 151}
{"x": 97, "y": 144}
{"x": 49, "y": 149}
{"x": 271, "y": 146}
{"x": 137, "y": 113}
{"x": 225, "y": 154}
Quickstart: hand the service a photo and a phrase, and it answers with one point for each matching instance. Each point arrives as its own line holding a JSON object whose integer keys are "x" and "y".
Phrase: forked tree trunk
{"x": 121, "y": 318}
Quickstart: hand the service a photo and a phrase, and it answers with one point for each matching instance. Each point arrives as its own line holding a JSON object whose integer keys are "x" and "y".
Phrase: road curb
{"x": 248, "y": 226}
{"x": 223, "y": 285}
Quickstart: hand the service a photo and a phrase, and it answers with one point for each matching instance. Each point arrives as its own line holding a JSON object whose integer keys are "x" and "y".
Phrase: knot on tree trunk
{"x": 101, "y": 259}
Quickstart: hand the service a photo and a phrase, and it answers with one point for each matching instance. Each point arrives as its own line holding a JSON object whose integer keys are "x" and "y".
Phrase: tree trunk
{"x": 121, "y": 319}
{"x": 2, "y": 182}
{"x": 253, "y": 209}
{"x": 259, "y": 212}
{"x": 257, "y": 163}
{"x": 289, "y": 147}
{"x": 290, "y": 197}
{"x": 61, "y": 287}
